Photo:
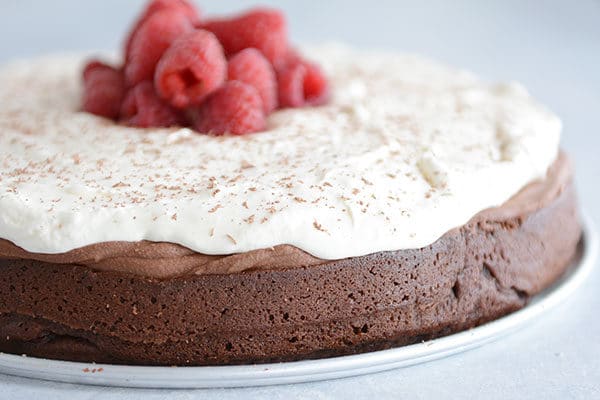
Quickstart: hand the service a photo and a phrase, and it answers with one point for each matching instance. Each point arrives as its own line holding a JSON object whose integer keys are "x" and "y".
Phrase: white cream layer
{"x": 407, "y": 150}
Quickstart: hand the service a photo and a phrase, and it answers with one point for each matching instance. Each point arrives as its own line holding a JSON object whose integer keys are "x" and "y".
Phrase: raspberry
{"x": 151, "y": 40}
{"x": 191, "y": 69}
{"x": 104, "y": 88}
{"x": 184, "y": 5}
{"x": 251, "y": 67}
{"x": 292, "y": 56}
{"x": 263, "y": 29}
{"x": 143, "y": 108}
{"x": 235, "y": 108}
{"x": 316, "y": 86}
{"x": 94, "y": 65}
{"x": 159, "y": 5}
{"x": 301, "y": 83}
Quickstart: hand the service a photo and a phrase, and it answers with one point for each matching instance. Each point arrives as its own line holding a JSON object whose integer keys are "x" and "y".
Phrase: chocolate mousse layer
{"x": 283, "y": 304}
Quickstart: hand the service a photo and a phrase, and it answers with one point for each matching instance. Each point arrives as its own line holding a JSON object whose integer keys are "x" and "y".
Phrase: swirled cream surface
{"x": 406, "y": 150}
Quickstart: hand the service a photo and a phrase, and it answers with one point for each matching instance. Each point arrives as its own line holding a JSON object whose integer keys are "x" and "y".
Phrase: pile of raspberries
{"x": 218, "y": 76}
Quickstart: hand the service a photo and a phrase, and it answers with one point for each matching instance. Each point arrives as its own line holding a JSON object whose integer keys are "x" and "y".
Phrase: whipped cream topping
{"x": 407, "y": 150}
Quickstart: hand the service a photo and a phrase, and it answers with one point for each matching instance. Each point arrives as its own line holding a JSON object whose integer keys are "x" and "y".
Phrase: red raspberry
{"x": 159, "y": 5}
{"x": 143, "y": 108}
{"x": 301, "y": 83}
{"x": 292, "y": 57}
{"x": 316, "y": 86}
{"x": 104, "y": 88}
{"x": 235, "y": 108}
{"x": 151, "y": 40}
{"x": 251, "y": 67}
{"x": 191, "y": 69}
{"x": 184, "y": 5}
{"x": 263, "y": 29}
{"x": 94, "y": 65}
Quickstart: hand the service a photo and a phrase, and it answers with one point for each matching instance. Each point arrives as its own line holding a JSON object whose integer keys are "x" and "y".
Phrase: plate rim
{"x": 309, "y": 370}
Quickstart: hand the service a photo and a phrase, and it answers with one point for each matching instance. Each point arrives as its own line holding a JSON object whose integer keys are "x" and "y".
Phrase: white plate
{"x": 312, "y": 370}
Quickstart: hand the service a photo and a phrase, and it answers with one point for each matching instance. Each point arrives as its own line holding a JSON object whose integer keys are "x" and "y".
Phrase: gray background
{"x": 553, "y": 47}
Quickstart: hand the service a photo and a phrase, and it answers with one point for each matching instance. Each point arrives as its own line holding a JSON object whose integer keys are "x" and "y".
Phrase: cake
{"x": 418, "y": 202}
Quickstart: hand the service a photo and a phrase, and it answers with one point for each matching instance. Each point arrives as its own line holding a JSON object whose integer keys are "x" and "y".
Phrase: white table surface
{"x": 553, "y": 47}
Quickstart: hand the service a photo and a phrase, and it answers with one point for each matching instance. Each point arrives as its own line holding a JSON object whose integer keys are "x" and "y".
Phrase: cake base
{"x": 195, "y": 377}
{"x": 474, "y": 274}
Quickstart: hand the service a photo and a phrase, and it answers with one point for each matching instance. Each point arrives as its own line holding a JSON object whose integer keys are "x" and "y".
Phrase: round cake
{"x": 419, "y": 202}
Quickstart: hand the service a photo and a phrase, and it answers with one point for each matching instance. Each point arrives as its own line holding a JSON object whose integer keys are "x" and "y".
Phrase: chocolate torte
{"x": 419, "y": 202}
